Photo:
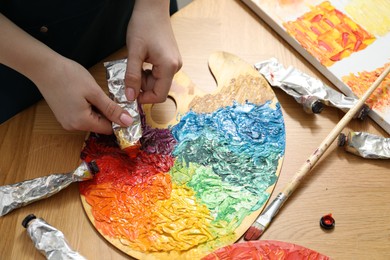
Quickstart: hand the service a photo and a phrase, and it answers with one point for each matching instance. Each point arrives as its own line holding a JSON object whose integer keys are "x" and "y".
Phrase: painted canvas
{"x": 198, "y": 183}
{"x": 265, "y": 249}
{"x": 346, "y": 40}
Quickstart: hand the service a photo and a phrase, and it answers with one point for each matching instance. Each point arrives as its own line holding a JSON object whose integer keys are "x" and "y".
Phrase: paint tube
{"x": 50, "y": 241}
{"x": 17, "y": 195}
{"x": 365, "y": 145}
{"x": 127, "y": 137}
{"x": 311, "y": 93}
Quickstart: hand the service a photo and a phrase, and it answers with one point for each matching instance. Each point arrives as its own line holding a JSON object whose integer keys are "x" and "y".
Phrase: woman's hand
{"x": 69, "y": 89}
{"x": 150, "y": 39}
{"x": 78, "y": 102}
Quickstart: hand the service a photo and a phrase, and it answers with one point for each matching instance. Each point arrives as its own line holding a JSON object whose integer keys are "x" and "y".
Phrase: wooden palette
{"x": 227, "y": 158}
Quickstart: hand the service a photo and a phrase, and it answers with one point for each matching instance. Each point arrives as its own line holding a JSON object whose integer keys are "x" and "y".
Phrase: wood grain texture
{"x": 355, "y": 190}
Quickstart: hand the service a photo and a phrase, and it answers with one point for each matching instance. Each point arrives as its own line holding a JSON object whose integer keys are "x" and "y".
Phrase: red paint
{"x": 315, "y": 30}
{"x": 344, "y": 39}
{"x": 325, "y": 45}
{"x": 126, "y": 188}
{"x": 264, "y": 249}
{"x": 253, "y": 233}
{"x": 327, "y": 222}
{"x": 133, "y": 150}
{"x": 357, "y": 45}
{"x": 316, "y": 18}
{"x": 336, "y": 57}
{"x": 329, "y": 22}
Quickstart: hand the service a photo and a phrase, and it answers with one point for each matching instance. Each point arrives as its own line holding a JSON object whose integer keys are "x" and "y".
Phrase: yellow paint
{"x": 244, "y": 88}
{"x": 289, "y": 2}
{"x": 373, "y": 15}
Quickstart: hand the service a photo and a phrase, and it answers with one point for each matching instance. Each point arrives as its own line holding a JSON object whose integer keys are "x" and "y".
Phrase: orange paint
{"x": 359, "y": 84}
{"x": 133, "y": 200}
{"x": 125, "y": 212}
{"x": 328, "y": 34}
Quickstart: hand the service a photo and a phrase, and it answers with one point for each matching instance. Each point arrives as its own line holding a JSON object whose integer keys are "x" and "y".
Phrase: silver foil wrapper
{"x": 50, "y": 241}
{"x": 17, "y": 195}
{"x": 365, "y": 145}
{"x": 126, "y": 136}
{"x": 306, "y": 90}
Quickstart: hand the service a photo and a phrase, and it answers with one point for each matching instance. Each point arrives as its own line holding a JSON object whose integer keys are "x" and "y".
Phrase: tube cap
{"x": 342, "y": 140}
{"x": 327, "y": 222}
{"x": 362, "y": 114}
{"x": 93, "y": 167}
{"x": 27, "y": 219}
{"x": 317, "y": 107}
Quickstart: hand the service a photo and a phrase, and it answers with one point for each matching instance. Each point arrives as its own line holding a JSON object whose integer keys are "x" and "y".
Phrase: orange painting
{"x": 348, "y": 41}
{"x": 328, "y": 34}
{"x": 380, "y": 99}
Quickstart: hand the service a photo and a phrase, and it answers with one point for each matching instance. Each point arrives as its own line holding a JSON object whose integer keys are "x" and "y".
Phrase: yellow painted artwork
{"x": 373, "y": 15}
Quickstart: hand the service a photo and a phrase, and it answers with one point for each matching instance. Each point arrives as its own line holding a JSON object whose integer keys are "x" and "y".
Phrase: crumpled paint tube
{"x": 365, "y": 145}
{"x": 17, "y": 195}
{"x": 48, "y": 240}
{"x": 311, "y": 93}
{"x": 127, "y": 137}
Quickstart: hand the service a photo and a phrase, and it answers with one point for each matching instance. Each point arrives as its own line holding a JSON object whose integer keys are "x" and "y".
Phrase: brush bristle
{"x": 254, "y": 232}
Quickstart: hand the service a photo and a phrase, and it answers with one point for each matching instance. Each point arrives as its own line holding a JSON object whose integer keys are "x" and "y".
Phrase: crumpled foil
{"x": 50, "y": 241}
{"x": 17, "y": 195}
{"x": 365, "y": 145}
{"x": 306, "y": 90}
{"x": 126, "y": 136}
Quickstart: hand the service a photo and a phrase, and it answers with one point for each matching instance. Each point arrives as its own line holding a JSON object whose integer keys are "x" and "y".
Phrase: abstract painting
{"x": 346, "y": 45}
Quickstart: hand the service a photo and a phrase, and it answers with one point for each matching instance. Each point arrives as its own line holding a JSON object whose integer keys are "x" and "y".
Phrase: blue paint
{"x": 242, "y": 144}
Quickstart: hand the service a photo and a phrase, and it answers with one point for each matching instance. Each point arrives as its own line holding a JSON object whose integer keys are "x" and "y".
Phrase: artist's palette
{"x": 199, "y": 181}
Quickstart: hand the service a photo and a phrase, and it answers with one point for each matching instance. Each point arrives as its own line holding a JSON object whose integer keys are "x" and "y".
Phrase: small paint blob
{"x": 327, "y": 222}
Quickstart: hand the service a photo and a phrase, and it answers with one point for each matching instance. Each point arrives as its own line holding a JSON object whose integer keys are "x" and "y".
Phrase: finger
{"x": 88, "y": 120}
{"x": 99, "y": 124}
{"x": 111, "y": 110}
{"x": 133, "y": 76}
{"x": 157, "y": 86}
{"x": 148, "y": 81}
{"x": 156, "y": 95}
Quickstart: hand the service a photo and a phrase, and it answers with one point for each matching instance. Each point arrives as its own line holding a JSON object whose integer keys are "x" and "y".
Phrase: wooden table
{"x": 355, "y": 190}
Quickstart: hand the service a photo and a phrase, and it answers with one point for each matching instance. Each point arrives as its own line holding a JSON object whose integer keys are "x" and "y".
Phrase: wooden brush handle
{"x": 312, "y": 160}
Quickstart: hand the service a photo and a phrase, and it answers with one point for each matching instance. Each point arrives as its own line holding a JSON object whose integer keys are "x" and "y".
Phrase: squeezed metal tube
{"x": 50, "y": 241}
{"x": 126, "y": 136}
{"x": 17, "y": 195}
{"x": 310, "y": 92}
{"x": 365, "y": 145}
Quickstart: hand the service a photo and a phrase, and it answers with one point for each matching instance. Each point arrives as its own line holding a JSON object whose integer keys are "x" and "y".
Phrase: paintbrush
{"x": 263, "y": 221}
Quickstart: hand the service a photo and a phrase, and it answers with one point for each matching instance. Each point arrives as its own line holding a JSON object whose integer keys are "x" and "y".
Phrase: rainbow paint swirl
{"x": 190, "y": 186}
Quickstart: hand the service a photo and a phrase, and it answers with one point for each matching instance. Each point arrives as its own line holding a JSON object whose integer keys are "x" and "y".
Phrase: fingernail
{"x": 129, "y": 92}
{"x": 126, "y": 119}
